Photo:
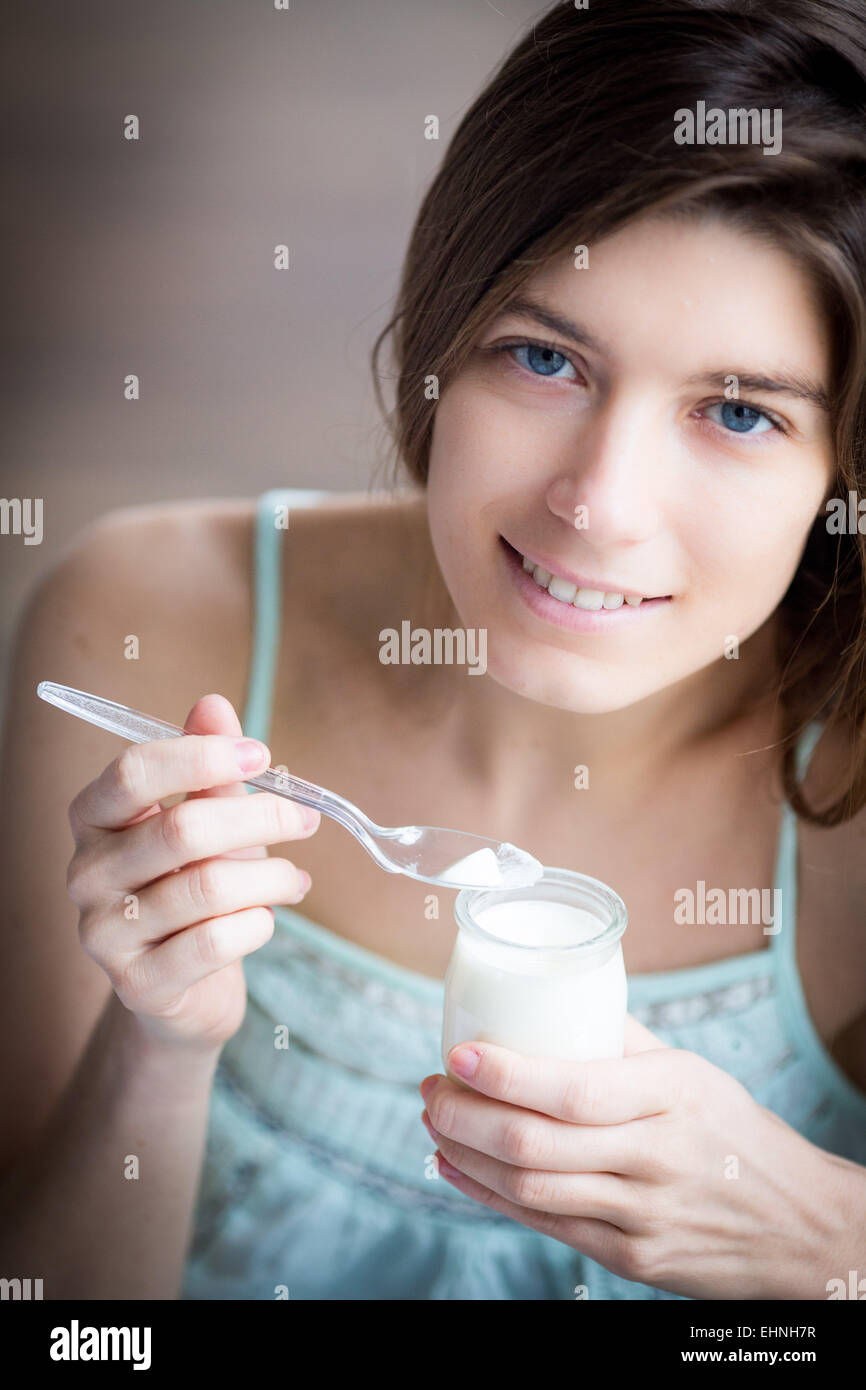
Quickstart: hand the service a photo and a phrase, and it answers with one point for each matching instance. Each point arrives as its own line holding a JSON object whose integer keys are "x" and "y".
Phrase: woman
{"x": 630, "y": 378}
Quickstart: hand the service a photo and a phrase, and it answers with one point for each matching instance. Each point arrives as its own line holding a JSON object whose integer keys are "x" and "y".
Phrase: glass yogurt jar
{"x": 539, "y": 970}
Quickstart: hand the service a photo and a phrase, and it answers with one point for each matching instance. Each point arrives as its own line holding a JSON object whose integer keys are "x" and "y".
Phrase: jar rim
{"x": 555, "y": 880}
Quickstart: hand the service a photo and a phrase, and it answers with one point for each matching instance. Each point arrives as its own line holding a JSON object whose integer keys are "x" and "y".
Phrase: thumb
{"x": 214, "y": 714}
{"x": 640, "y": 1039}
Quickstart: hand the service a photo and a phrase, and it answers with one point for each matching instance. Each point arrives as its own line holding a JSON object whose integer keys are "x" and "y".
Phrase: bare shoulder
{"x": 838, "y": 852}
{"x": 832, "y": 911}
{"x": 152, "y": 592}
{"x": 164, "y": 593}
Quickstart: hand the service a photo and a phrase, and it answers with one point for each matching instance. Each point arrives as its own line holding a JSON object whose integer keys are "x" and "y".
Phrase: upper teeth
{"x": 579, "y": 598}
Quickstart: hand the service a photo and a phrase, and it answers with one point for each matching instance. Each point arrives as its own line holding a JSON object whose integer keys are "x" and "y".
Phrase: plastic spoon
{"x": 447, "y": 858}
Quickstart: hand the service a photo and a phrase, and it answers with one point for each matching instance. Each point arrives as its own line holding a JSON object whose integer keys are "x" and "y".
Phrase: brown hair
{"x": 574, "y": 135}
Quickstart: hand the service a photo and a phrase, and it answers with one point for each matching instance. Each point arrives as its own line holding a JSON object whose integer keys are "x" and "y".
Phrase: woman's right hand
{"x": 171, "y": 899}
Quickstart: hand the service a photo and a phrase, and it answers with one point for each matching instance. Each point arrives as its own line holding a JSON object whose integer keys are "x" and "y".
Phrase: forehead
{"x": 690, "y": 289}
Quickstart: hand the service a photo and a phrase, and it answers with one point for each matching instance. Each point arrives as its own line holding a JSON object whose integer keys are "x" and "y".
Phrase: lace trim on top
{"x": 663, "y": 1013}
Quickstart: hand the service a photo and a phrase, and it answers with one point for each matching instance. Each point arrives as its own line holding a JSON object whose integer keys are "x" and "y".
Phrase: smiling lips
{"x": 575, "y": 594}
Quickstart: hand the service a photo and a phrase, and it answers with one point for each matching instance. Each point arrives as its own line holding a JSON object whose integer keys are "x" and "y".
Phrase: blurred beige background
{"x": 155, "y": 256}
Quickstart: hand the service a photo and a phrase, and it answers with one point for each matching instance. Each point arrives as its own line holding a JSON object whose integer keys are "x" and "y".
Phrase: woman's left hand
{"x": 658, "y": 1165}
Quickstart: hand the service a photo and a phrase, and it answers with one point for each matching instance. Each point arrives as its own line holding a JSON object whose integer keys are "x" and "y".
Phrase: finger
{"x": 605, "y": 1091}
{"x": 147, "y": 773}
{"x": 188, "y": 832}
{"x": 599, "y": 1240}
{"x": 209, "y": 888}
{"x": 157, "y": 980}
{"x": 214, "y": 714}
{"x": 527, "y": 1138}
{"x": 599, "y": 1196}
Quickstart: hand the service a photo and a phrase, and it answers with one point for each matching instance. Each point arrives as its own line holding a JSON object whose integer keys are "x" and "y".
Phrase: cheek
{"x": 742, "y": 560}
{"x": 478, "y": 446}
{"x": 465, "y": 479}
{"x": 454, "y": 500}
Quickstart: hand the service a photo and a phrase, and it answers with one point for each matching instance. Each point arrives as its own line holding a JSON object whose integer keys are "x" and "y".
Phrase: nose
{"x": 613, "y": 485}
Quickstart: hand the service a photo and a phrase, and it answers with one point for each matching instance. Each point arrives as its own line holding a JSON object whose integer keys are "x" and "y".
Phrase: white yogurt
{"x": 513, "y": 869}
{"x": 519, "y": 987}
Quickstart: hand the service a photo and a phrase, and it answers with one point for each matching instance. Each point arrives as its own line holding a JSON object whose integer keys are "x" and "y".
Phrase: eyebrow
{"x": 784, "y": 383}
{"x": 525, "y": 308}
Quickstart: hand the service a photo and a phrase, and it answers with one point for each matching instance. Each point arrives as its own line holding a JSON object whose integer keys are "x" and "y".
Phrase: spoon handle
{"x": 144, "y": 728}
{"x": 117, "y": 719}
{"x": 337, "y": 807}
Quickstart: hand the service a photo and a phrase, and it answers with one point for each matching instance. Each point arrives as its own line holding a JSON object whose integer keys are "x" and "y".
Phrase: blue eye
{"x": 738, "y": 418}
{"x": 543, "y": 361}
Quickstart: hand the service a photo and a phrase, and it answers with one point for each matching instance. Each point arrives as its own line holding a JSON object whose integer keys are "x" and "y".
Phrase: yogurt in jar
{"x": 539, "y": 971}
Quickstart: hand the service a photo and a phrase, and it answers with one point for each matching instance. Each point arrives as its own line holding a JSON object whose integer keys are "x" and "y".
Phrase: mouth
{"x": 570, "y": 603}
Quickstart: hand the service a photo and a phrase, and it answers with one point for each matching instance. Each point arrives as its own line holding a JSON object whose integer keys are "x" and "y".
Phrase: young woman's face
{"x": 624, "y": 460}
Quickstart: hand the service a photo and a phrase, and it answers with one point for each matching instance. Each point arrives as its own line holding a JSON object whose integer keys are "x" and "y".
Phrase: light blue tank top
{"x": 317, "y": 1176}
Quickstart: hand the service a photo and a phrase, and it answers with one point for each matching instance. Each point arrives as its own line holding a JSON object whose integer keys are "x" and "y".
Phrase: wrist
{"x": 845, "y": 1250}
{"x": 178, "y": 1066}
{"x": 832, "y": 1242}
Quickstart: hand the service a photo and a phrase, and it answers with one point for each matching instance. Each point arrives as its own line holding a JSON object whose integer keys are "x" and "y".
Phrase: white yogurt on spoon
{"x": 513, "y": 868}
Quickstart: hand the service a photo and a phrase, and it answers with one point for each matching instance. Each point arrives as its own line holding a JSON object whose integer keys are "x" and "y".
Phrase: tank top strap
{"x": 786, "y": 855}
{"x": 273, "y": 509}
{"x": 785, "y": 941}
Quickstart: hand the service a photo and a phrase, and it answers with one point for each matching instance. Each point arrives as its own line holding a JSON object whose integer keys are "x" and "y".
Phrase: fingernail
{"x": 427, "y": 1085}
{"x": 464, "y": 1060}
{"x": 251, "y": 754}
{"x": 306, "y": 881}
{"x": 311, "y": 817}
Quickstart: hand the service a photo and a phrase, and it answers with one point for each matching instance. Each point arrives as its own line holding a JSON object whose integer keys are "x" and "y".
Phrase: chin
{"x": 578, "y": 691}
